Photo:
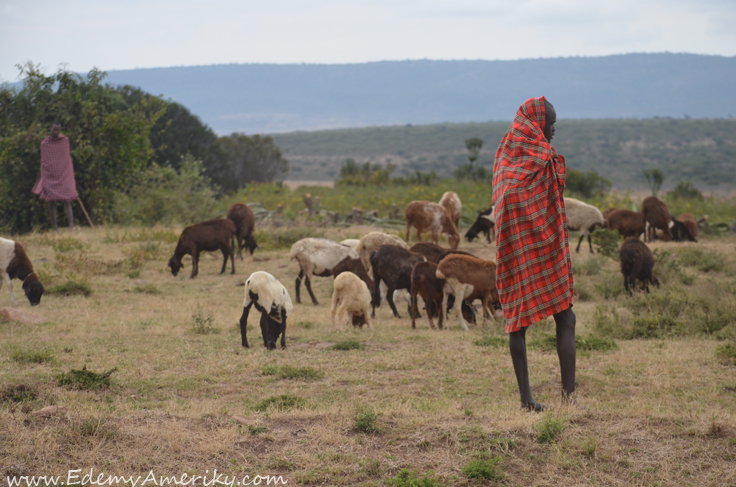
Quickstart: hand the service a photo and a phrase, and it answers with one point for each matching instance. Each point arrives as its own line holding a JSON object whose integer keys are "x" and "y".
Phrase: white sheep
{"x": 14, "y": 263}
{"x": 351, "y": 242}
{"x": 350, "y": 297}
{"x": 319, "y": 256}
{"x": 271, "y": 298}
{"x": 372, "y": 241}
{"x": 583, "y": 217}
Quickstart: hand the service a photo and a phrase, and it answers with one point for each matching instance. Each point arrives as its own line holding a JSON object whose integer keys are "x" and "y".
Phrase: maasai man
{"x": 56, "y": 182}
{"x": 534, "y": 271}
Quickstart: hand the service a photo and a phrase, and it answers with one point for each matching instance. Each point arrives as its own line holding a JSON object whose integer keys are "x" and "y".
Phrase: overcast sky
{"x": 114, "y": 34}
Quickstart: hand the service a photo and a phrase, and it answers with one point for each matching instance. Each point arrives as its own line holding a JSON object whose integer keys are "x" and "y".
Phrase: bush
{"x": 349, "y": 345}
{"x": 85, "y": 379}
{"x": 289, "y": 372}
{"x": 548, "y": 343}
{"x": 726, "y": 353}
{"x": 607, "y": 242}
{"x": 592, "y": 265}
{"x": 71, "y": 288}
{"x": 410, "y": 478}
{"x": 701, "y": 260}
{"x": 484, "y": 466}
{"x": 166, "y": 196}
{"x": 366, "y": 420}
{"x": 492, "y": 341}
{"x": 586, "y": 185}
{"x": 685, "y": 191}
{"x": 612, "y": 286}
{"x": 283, "y": 239}
{"x": 549, "y": 428}
{"x": 203, "y": 323}
{"x": 280, "y": 403}
{"x": 19, "y": 393}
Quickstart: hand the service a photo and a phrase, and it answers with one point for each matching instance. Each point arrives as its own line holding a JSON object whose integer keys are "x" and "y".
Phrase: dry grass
{"x": 658, "y": 412}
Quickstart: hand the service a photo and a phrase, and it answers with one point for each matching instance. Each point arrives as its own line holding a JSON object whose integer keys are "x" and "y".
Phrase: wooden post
{"x": 84, "y": 210}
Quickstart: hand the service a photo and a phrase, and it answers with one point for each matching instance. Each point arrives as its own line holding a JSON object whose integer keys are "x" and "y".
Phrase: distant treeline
{"x": 699, "y": 151}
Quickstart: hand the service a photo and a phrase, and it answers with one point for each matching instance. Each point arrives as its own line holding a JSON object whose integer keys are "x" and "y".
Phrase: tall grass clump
{"x": 410, "y": 478}
{"x": 203, "y": 323}
{"x": 85, "y": 379}
{"x": 703, "y": 260}
{"x": 483, "y": 466}
{"x": 282, "y": 402}
{"x": 71, "y": 288}
{"x": 366, "y": 420}
{"x": 30, "y": 356}
{"x": 349, "y": 345}
{"x": 549, "y": 428}
{"x": 289, "y": 372}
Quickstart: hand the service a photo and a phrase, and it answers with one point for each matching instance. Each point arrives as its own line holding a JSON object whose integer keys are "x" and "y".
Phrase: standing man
{"x": 534, "y": 271}
{"x": 56, "y": 181}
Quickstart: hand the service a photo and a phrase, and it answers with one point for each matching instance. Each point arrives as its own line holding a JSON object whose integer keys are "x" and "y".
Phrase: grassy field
{"x": 387, "y": 406}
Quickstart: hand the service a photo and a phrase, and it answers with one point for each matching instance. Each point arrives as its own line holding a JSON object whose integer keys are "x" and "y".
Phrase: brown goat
{"x": 425, "y": 215}
{"x": 206, "y": 236}
{"x": 245, "y": 222}
{"x": 425, "y": 283}
{"x": 434, "y": 253}
{"x": 690, "y": 223}
{"x": 450, "y": 201}
{"x": 637, "y": 262}
{"x": 657, "y": 215}
{"x": 469, "y": 278}
{"x": 626, "y": 222}
{"x": 14, "y": 263}
{"x": 349, "y": 264}
{"x": 392, "y": 265}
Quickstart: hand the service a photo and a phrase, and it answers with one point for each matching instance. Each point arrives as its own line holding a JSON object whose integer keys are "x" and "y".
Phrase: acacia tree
{"x": 655, "y": 178}
{"x": 108, "y": 138}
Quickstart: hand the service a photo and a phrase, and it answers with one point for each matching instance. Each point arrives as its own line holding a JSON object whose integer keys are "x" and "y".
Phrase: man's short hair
{"x": 54, "y": 124}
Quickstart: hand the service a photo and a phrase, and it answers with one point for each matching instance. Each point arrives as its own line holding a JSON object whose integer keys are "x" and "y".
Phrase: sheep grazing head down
{"x": 33, "y": 289}
{"x": 251, "y": 244}
{"x": 175, "y": 265}
{"x": 453, "y": 240}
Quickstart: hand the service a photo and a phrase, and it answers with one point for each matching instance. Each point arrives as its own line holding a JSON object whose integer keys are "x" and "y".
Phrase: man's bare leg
{"x": 565, "y": 324}
{"x": 517, "y": 346}
{"x": 52, "y": 214}
{"x": 69, "y": 214}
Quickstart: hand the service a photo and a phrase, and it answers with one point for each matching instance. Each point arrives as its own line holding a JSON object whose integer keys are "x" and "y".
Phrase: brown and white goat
{"x": 206, "y": 236}
{"x": 468, "y": 278}
{"x": 428, "y": 216}
{"x": 450, "y": 201}
{"x": 245, "y": 222}
{"x": 14, "y": 263}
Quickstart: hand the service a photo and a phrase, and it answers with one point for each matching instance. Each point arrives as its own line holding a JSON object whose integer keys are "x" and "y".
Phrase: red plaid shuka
{"x": 534, "y": 271}
{"x": 56, "y": 181}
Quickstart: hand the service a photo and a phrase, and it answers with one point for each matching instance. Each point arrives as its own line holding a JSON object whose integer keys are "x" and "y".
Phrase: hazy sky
{"x": 114, "y": 34}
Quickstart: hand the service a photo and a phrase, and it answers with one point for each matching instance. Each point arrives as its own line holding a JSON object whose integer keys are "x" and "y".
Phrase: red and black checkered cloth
{"x": 534, "y": 271}
{"x": 57, "y": 173}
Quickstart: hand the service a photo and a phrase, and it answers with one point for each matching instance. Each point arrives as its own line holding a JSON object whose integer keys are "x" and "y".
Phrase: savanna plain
{"x": 391, "y": 405}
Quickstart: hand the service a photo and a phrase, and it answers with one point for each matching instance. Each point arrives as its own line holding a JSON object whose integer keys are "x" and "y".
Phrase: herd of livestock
{"x": 379, "y": 265}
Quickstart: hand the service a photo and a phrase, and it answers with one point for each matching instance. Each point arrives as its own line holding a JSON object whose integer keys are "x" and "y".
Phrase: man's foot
{"x": 534, "y": 407}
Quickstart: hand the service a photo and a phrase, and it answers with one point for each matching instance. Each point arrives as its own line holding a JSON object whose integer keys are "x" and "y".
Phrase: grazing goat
{"x": 245, "y": 222}
{"x": 680, "y": 232}
{"x": 689, "y": 221}
{"x": 319, "y": 256}
{"x": 425, "y": 215}
{"x": 271, "y": 298}
{"x": 350, "y": 297}
{"x": 206, "y": 236}
{"x": 14, "y": 263}
{"x": 485, "y": 223}
{"x": 450, "y": 201}
{"x": 626, "y": 222}
{"x": 433, "y": 253}
{"x": 372, "y": 241}
{"x": 608, "y": 212}
{"x": 584, "y": 218}
{"x": 657, "y": 215}
{"x": 468, "y": 278}
{"x": 392, "y": 265}
{"x": 637, "y": 262}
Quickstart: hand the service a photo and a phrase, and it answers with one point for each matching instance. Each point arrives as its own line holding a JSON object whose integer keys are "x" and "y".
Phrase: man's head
{"x": 55, "y": 130}
{"x": 550, "y": 119}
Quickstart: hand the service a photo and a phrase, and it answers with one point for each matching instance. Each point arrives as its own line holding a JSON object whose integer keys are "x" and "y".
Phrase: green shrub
{"x": 203, "y": 323}
{"x": 71, "y": 288}
{"x": 277, "y": 239}
{"x": 147, "y": 289}
{"x": 283, "y": 402}
{"x": 591, "y": 266}
{"x": 410, "y": 478}
{"x": 67, "y": 244}
{"x": 366, "y": 420}
{"x": 349, "y": 345}
{"x": 484, "y": 466}
{"x": 726, "y": 353}
{"x": 668, "y": 268}
{"x": 685, "y": 191}
{"x": 257, "y": 430}
{"x": 289, "y": 372}
{"x": 19, "y": 393}
{"x": 159, "y": 196}
{"x": 85, "y": 379}
{"x": 607, "y": 242}
{"x": 549, "y": 428}
{"x": 704, "y": 261}
{"x": 582, "y": 293}
{"x": 27, "y": 356}
{"x": 611, "y": 286}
